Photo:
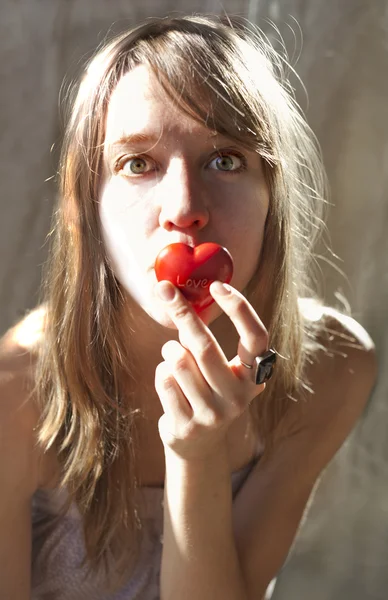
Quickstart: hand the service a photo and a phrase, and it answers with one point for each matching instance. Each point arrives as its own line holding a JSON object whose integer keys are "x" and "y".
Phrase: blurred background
{"x": 342, "y": 546}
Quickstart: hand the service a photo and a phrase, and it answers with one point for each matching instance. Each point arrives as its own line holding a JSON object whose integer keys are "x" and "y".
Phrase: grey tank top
{"x": 58, "y": 549}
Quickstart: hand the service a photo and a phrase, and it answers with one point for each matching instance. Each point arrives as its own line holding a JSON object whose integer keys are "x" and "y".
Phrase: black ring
{"x": 265, "y": 366}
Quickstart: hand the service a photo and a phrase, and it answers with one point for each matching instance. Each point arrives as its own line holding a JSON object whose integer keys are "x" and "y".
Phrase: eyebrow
{"x": 135, "y": 139}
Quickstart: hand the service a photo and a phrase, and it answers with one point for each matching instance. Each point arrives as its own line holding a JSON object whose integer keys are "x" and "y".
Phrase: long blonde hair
{"x": 226, "y": 75}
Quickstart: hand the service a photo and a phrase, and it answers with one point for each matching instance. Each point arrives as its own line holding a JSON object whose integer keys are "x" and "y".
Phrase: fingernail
{"x": 166, "y": 291}
{"x": 223, "y": 289}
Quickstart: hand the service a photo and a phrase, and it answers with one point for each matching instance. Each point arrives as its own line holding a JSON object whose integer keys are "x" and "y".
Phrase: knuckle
{"x": 201, "y": 344}
{"x": 206, "y": 351}
{"x": 190, "y": 432}
{"x": 212, "y": 418}
{"x": 242, "y": 307}
{"x": 176, "y": 355}
{"x": 182, "y": 311}
{"x": 181, "y": 363}
{"x": 163, "y": 377}
{"x": 254, "y": 337}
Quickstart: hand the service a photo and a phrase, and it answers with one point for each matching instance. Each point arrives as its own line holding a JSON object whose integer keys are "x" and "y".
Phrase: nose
{"x": 182, "y": 199}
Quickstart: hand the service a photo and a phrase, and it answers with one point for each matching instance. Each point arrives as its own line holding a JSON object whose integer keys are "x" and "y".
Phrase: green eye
{"x": 135, "y": 166}
{"x": 227, "y": 162}
{"x": 224, "y": 163}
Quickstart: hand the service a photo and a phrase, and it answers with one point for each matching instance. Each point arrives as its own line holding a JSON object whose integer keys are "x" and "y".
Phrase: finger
{"x": 199, "y": 340}
{"x": 253, "y": 335}
{"x": 191, "y": 381}
{"x": 174, "y": 403}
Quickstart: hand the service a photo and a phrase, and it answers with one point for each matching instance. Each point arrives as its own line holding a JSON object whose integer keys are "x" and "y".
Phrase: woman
{"x": 157, "y": 461}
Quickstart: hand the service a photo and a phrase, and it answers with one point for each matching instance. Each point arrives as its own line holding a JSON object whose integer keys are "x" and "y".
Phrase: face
{"x": 168, "y": 179}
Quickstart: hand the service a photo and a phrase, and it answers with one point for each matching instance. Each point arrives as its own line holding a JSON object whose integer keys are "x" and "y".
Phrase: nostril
{"x": 182, "y": 220}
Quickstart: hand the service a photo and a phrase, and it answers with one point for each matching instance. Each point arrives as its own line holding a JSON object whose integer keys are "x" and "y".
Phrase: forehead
{"x": 139, "y": 104}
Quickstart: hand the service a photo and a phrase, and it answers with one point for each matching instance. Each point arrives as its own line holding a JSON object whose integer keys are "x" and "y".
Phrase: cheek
{"x": 245, "y": 218}
{"x": 124, "y": 215}
{"x": 246, "y": 233}
{"x": 124, "y": 226}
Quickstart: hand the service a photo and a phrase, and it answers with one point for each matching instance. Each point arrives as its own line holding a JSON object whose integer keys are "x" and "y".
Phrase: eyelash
{"x": 119, "y": 164}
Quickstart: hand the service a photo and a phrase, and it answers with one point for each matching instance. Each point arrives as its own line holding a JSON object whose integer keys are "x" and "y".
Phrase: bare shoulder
{"x": 18, "y": 345}
{"x": 347, "y": 359}
{"x": 345, "y": 349}
{"x": 19, "y": 414}
{"x": 348, "y": 328}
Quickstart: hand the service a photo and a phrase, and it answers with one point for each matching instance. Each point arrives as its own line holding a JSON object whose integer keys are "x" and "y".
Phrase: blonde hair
{"x": 225, "y": 74}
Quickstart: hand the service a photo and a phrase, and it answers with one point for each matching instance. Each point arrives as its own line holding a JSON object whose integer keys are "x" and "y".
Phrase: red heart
{"x": 192, "y": 270}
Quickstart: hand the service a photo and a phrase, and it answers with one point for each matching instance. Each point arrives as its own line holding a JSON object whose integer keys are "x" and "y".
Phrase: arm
{"x": 15, "y": 548}
{"x": 212, "y": 551}
{"x": 200, "y": 558}
{"x": 270, "y": 507}
{"x": 18, "y": 476}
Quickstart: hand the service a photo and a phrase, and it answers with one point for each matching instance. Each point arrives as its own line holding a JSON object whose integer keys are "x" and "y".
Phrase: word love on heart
{"x": 193, "y": 282}
{"x": 193, "y": 270}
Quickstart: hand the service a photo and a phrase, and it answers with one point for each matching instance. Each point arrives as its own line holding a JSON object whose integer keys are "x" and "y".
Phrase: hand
{"x": 202, "y": 392}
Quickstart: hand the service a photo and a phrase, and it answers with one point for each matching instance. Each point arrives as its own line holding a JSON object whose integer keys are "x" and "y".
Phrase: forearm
{"x": 199, "y": 560}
